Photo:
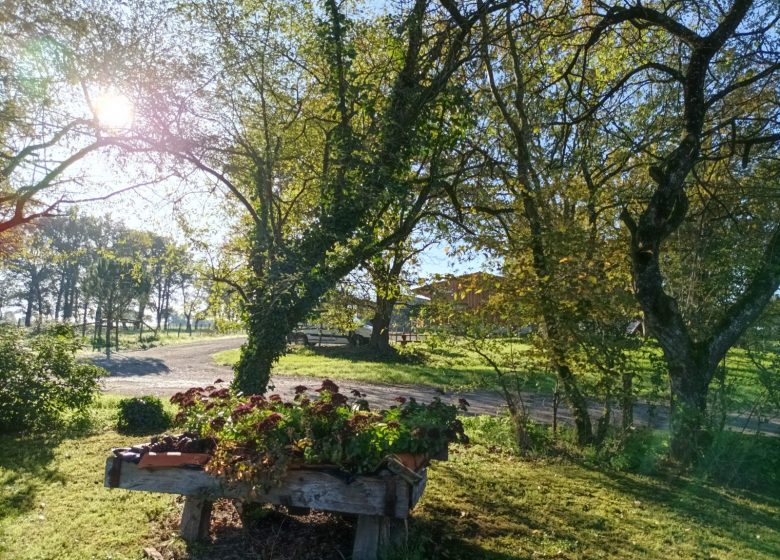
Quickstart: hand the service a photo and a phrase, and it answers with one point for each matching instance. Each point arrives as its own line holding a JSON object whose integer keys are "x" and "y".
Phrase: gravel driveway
{"x": 165, "y": 370}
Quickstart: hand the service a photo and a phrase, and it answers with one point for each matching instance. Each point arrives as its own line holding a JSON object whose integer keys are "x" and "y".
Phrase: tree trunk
{"x": 159, "y": 309}
{"x": 39, "y": 297}
{"x": 98, "y": 329}
{"x": 380, "y": 335}
{"x": 141, "y": 311}
{"x": 577, "y": 403}
{"x": 60, "y": 294}
{"x": 109, "y": 320}
{"x": 84, "y": 319}
{"x": 167, "y": 308}
{"x": 71, "y": 298}
{"x": 689, "y": 385}
{"x": 627, "y": 400}
{"x": 29, "y": 311}
{"x": 272, "y": 317}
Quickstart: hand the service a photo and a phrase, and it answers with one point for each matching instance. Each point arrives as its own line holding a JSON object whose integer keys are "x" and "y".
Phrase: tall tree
{"x": 718, "y": 67}
{"x": 327, "y": 122}
{"x": 552, "y": 217}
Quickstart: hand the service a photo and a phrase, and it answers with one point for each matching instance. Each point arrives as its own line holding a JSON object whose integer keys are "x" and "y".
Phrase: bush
{"x": 502, "y": 433}
{"x": 641, "y": 449}
{"x": 748, "y": 461}
{"x": 40, "y": 379}
{"x": 142, "y": 415}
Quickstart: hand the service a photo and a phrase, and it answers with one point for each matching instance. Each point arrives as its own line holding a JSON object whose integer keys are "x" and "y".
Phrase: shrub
{"x": 748, "y": 461}
{"x": 640, "y": 449}
{"x": 142, "y": 415}
{"x": 40, "y": 379}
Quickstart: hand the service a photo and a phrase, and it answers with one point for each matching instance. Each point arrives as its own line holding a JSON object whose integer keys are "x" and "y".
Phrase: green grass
{"x": 446, "y": 368}
{"x": 455, "y": 367}
{"x": 485, "y": 503}
{"x": 53, "y": 503}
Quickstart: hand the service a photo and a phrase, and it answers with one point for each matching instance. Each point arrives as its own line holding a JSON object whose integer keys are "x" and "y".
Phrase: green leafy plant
{"x": 40, "y": 379}
{"x": 142, "y": 415}
{"x": 259, "y": 438}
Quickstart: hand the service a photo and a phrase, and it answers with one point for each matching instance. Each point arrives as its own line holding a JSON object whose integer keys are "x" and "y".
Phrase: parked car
{"x": 313, "y": 335}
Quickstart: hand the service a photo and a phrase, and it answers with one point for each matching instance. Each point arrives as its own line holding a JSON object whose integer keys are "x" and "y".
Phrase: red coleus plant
{"x": 259, "y": 438}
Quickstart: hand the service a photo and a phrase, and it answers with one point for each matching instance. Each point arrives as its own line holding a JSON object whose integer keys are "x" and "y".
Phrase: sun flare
{"x": 114, "y": 110}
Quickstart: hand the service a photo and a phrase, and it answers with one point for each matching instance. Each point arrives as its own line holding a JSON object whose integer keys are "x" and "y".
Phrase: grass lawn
{"x": 448, "y": 369}
{"x": 488, "y": 505}
{"x": 455, "y": 367}
{"x": 485, "y": 503}
{"x": 53, "y": 504}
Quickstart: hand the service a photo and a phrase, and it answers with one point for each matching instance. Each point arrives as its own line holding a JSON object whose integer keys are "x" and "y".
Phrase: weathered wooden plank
{"x": 418, "y": 489}
{"x": 366, "y": 544}
{"x": 366, "y": 495}
{"x": 195, "y": 518}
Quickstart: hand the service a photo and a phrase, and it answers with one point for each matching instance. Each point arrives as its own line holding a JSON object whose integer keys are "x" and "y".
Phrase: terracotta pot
{"x": 172, "y": 459}
{"x": 411, "y": 461}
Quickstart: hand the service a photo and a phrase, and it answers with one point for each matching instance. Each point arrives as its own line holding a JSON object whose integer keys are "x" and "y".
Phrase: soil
{"x": 271, "y": 534}
{"x": 166, "y": 370}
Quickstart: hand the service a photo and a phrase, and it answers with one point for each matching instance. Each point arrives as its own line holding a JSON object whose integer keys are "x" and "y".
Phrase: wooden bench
{"x": 381, "y": 502}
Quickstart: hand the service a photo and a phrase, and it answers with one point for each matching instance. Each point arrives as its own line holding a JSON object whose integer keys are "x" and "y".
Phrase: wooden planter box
{"x": 381, "y": 502}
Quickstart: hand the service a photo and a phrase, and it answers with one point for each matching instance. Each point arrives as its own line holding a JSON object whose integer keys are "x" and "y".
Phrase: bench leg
{"x": 375, "y": 533}
{"x": 392, "y": 533}
{"x": 195, "y": 519}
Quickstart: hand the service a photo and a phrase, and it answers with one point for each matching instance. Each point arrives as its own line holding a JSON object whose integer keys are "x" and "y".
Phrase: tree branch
{"x": 749, "y": 305}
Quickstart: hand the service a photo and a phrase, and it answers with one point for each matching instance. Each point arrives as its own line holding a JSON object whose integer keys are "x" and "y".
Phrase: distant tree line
{"x": 98, "y": 275}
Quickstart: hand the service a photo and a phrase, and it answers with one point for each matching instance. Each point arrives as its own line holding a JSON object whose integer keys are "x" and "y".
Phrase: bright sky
{"x": 161, "y": 205}
{"x": 155, "y": 208}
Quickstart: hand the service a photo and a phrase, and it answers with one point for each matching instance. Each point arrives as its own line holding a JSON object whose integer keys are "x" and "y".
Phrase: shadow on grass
{"x": 26, "y": 462}
{"x": 367, "y": 354}
{"x": 585, "y": 510}
{"x": 719, "y": 510}
{"x": 121, "y": 367}
{"x": 25, "y": 465}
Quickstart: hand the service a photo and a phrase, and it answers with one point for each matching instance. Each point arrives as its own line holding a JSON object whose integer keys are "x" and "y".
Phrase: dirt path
{"x": 166, "y": 370}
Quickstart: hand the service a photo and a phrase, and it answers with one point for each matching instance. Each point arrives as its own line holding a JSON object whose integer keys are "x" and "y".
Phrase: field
{"x": 487, "y": 502}
{"x": 448, "y": 370}
{"x": 455, "y": 367}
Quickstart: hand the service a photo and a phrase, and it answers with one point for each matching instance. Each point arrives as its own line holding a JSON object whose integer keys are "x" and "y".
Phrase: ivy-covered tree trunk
{"x": 360, "y": 179}
{"x": 381, "y": 321}
{"x": 276, "y": 305}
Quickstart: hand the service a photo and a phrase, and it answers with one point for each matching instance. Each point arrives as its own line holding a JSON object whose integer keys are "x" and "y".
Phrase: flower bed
{"x": 322, "y": 450}
{"x": 257, "y": 439}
